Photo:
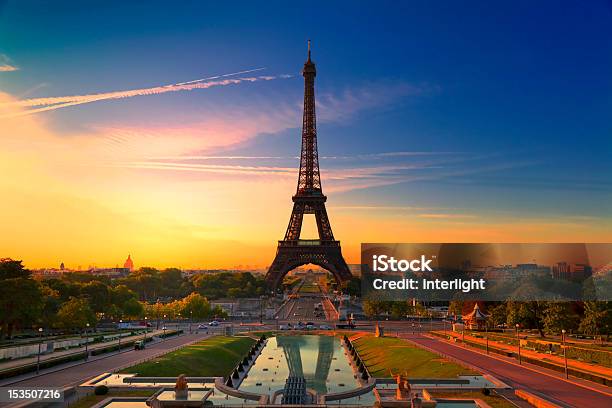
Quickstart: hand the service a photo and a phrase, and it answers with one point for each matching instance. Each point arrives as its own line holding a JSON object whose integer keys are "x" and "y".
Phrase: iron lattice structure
{"x": 308, "y": 199}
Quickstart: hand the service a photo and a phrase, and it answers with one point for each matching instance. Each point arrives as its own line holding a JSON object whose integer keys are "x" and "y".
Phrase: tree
{"x": 455, "y": 307}
{"x": 146, "y": 282}
{"x": 527, "y": 314}
{"x": 498, "y": 314}
{"x": 171, "y": 282}
{"x": 132, "y": 308}
{"x": 98, "y": 295}
{"x": 21, "y": 300}
{"x": 373, "y": 308}
{"x": 196, "y": 306}
{"x": 597, "y": 319}
{"x": 353, "y": 287}
{"x": 559, "y": 316}
{"x": 75, "y": 314}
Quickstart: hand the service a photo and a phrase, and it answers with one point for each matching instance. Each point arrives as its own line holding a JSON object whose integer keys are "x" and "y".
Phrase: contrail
{"x": 248, "y": 71}
{"x": 58, "y": 102}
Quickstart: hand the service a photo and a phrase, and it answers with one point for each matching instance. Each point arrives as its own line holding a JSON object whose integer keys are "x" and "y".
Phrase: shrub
{"x": 101, "y": 390}
{"x": 486, "y": 391}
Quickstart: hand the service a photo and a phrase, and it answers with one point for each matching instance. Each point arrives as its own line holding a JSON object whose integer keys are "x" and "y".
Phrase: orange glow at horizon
{"x": 76, "y": 199}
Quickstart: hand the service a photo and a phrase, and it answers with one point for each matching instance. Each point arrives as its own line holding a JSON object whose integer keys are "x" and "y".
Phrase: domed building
{"x": 129, "y": 264}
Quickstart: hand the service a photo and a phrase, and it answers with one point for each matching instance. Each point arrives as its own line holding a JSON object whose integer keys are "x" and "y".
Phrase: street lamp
{"x": 487, "y": 335}
{"x": 40, "y": 332}
{"x": 120, "y": 324}
{"x": 519, "y": 342}
{"x": 145, "y": 331}
{"x": 564, "y": 351}
{"x": 190, "y": 320}
{"x": 86, "y": 352}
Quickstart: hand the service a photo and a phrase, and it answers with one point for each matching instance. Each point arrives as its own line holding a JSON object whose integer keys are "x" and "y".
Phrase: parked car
{"x": 310, "y": 326}
{"x": 213, "y": 323}
{"x": 202, "y": 327}
{"x": 325, "y": 327}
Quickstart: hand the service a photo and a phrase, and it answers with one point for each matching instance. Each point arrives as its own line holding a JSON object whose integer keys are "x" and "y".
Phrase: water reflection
{"x": 319, "y": 359}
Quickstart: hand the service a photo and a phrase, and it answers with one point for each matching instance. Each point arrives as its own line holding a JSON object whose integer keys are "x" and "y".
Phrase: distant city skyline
{"x": 173, "y": 134}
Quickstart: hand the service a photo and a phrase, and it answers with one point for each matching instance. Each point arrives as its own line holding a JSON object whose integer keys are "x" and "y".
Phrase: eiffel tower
{"x": 308, "y": 199}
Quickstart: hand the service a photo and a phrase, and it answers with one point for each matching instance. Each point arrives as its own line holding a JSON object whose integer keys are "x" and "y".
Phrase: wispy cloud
{"x": 446, "y": 216}
{"x": 6, "y": 65}
{"x": 58, "y": 102}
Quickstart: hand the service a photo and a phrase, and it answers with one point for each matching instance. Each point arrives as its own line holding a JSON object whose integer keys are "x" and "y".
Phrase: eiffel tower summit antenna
{"x": 308, "y": 199}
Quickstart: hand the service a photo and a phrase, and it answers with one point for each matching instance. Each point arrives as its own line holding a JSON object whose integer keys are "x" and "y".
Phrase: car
{"x": 139, "y": 345}
{"x": 202, "y": 327}
{"x": 213, "y": 323}
{"x": 325, "y": 327}
{"x": 284, "y": 327}
{"x": 310, "y": 327}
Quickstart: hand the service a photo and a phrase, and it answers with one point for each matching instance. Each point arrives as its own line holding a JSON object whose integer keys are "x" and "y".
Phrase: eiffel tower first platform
{"x": 308, "y": 199}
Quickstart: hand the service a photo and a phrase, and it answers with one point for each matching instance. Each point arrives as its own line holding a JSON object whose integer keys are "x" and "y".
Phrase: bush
{"x": 101, "y": 390}
{"x": 486, "y": 391}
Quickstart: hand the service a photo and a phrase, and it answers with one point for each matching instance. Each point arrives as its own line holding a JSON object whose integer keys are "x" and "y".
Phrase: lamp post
{"x": 145, "y": 331}
{"x": 564, "y": 351}
{"x": 86, "y": 341}
{"x": 120, "y": 324}
{"x": 519, "y": 342}
{"x": 40, "y": 332}
{"x": 164, "y": 324}
{"x": 487, "y": 335}
{"x": 190, "y": 320}
{"x": 164, "y": 329}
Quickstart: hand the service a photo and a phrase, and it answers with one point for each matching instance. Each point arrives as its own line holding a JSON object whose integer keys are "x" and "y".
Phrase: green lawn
{"x": 495, "y": 401}
{"x": 383, "y": 355}
{"x": 92, "y": 399}
{"x": 216, "y": 356}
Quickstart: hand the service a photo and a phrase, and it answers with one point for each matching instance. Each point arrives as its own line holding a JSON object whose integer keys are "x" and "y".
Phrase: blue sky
{"x": 507, "y": 105}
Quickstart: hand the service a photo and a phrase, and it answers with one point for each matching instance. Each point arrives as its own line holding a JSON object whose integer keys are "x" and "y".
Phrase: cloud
{"x": 6, "y": 65}
{"x": 8, "y": 68}
{"x": 58, "y": 102}
{"x": 446, "y": 216}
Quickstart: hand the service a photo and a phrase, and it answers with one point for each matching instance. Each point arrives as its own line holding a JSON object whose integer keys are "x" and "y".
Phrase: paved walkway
{"x": 5, "y": 365}
{"x": 545, "y": 383}
{"x": 74, "y": 374}
{"x": 551, "y": 358}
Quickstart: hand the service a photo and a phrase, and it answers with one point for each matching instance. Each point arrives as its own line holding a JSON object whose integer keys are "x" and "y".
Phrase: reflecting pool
{"x": 321, "y": 360}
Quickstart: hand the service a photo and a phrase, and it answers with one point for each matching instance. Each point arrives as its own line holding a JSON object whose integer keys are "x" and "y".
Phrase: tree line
{"x": 589, "y": 318}
{"x": 76, "y": 299}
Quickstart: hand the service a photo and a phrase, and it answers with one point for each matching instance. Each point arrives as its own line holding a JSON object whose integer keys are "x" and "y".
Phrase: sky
{"x": 171, "y": 132}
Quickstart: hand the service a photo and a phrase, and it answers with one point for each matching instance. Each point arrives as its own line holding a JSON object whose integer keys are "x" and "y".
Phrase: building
{"x": 560, "y": 270}
{"x": 112, "y": 273}
{"x": 129, "y": 264}
{"x": 563, "y": 270}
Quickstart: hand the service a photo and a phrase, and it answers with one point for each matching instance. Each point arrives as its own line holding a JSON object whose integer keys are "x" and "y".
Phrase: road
{"x": 76, "y": 374}
{"x": 5, "y": 365}
{"x": 542, "y": 382}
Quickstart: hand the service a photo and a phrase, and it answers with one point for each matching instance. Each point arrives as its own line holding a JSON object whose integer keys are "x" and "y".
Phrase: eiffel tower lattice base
{"x": 292, "y": 254}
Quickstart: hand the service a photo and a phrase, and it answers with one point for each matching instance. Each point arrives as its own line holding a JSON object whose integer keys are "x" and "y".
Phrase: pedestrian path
{"x": 9, "y": 364}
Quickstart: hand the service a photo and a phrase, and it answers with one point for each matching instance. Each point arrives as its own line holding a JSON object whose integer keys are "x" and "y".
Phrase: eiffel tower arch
{"x": 308, "y": 199}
